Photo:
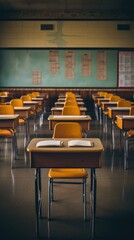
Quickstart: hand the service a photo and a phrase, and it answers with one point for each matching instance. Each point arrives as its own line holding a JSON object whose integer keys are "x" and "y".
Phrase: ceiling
{"x": 66, "y": 9}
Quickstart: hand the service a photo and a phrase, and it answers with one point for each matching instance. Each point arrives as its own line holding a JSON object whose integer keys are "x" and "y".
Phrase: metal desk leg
{"x": 100, "y": 113}
{"x": 96, "y": 111}
{"x": 93, "y": 200}
{"x": 113, "y": 139}
{"x": 125, "y": 150}
{"x": 37, "y": 197}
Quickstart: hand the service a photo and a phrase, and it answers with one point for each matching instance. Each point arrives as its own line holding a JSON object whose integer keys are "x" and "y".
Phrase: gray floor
{"x": 115, "y": 196}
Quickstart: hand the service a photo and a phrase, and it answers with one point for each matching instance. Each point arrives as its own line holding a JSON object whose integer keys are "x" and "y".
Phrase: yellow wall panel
{"x": 83, "y": 34}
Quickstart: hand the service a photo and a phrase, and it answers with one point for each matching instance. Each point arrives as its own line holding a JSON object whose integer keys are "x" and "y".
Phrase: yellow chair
{"x": 17, "y": 102}
{"x": 102, "y": 94}
{"x": 108, "y": 95}
{"x": 71, "y": 110}
{"x": 36, "y": 94}
{"x": 66, "y": 130}
{"x": 70, "y": 103}
{"x": 114, "y": 98}
{"x": 70, "y": 98}
{"x": 124, "y": 103}
{"x": 9, "y": 133}
{"x": 69, "y": 94}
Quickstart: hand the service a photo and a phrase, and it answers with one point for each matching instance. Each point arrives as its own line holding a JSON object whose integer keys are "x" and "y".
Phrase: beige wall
{"x": 75, "y": 34}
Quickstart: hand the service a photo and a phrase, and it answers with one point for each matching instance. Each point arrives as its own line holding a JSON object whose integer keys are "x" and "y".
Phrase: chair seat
{"x": 105, "y": 112}
{"x": 6, "y": 132}
{"x": 67, "y": 173}
{"x": 130, "y": 133}
{"x": 22, "y": 121}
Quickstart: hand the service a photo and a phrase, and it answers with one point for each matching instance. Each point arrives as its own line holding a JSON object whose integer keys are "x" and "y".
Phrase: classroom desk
{"x": 3, "y": 99}
{"x": 125, "y": 123}
{"x": 105, "y": 105}
{"x": 61, "y": 104}
{"x": 84, "y": 120}
{"x": 24, "y": 112}
{"x": 100, "y": 100}
{"x": 64, "y": 95}
{"x": 112, "y": 113}
{"x": 63, "y": 99}
{"x": 65, "y": 157}
{"x": 40, "y": 101}
{"x": 58, "y": 111}
{"x": 32, "y": 104}
{"x": 8, "y": 121}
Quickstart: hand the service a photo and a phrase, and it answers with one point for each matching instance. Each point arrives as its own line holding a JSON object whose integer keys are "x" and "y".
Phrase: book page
{"x": 69, "y": 116}
{"x": 49, "y": 143}
{"x": 80, "y": 143}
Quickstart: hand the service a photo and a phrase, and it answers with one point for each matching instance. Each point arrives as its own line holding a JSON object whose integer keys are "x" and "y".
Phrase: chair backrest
{"x": 114, "y": 98}
{"x": 36, "y": 94}
{"x": 67, "y": 130}
{"x": 70, "y": 103}
{"x": 32, "y": 95}
{"x": 71, "y": 110}
{"x": 108, "y": 95}
{"x": 6, "y": 109}
{"x": 124, "y": 103}
{"x": 69, "y": 94}
{"x": 102, "y": 93}
{"x": 71, "y": 98}
{"x": 16, "y": 102}
{"x": 131, "y": 111}
{"x": 25, "y": 98}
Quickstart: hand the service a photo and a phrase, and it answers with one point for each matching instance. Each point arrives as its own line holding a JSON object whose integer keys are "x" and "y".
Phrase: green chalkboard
{"x": 56, "y": 68}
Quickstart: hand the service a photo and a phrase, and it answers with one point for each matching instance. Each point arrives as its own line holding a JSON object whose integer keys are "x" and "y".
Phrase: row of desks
{"x": 66, "y": 157}
{"x": 124, "y": 121}
{"x": 61, "y": 157}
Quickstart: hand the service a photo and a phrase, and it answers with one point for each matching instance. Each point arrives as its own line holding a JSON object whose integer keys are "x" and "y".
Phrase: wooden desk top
{"x": 113, "y": 111}
{"x": 105, "y": 105}
{"x": 69, "y": 117}
{"x": 96, "y": 96}
{"x": 62, "y": 103}
{"x": 22, "y": 108}
{"x": 62, "y": 99}
{"x": 8, "y": 116}
{"x": 38, "y": 99}
{"x": 58, "y": 110}
{"x": 84, "y": 120}
{"x": 65, "y": 156}
{"x": 100, "y": 100}
{"x": 30, "y": 102}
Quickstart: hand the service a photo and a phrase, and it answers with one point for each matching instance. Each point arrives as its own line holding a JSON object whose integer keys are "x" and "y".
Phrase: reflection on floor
{"x": 115, "y": 196}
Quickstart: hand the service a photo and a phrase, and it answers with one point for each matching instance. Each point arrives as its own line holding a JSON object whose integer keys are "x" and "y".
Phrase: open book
{"x": 80, "y": 143}
{"x": 49, "y": 143}
{"x": 70, "y": 116}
